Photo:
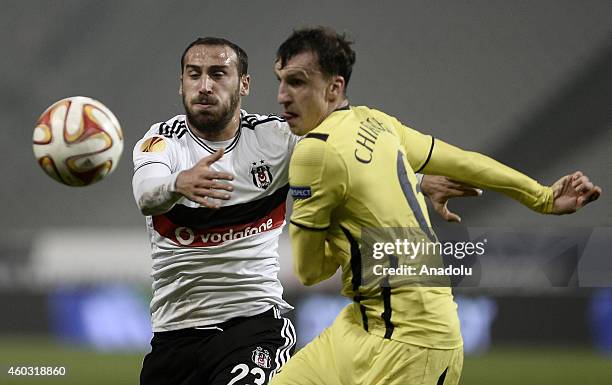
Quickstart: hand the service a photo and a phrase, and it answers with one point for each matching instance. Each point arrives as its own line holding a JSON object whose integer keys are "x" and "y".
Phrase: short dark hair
{"x": 243, "y": 59}
{"x": 333, "y": 50}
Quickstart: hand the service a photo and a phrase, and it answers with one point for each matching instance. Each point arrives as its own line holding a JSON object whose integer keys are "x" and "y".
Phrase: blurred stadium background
{"x": 529, "y": 83}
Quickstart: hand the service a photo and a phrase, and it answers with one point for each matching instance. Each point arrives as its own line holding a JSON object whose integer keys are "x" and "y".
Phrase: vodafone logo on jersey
{"x": 186, "y": 236}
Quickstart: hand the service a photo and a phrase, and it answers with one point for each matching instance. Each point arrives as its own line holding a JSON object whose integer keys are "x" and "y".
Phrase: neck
{"x": 333, "y": 106}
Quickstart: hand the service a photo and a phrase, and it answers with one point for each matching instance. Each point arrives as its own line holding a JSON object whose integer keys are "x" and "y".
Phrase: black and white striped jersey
{"x": 213, "y": 265}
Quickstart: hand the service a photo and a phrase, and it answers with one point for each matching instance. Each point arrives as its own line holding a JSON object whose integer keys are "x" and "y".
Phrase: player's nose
{"x": 282, "y": 96}
{"x": 206, "y": 85}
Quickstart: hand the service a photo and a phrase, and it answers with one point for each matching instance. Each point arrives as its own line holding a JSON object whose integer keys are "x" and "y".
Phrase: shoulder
{"x": 315, "y": 150}
{"x": 367, "y": 112}
{"x": 268, "y": 128}
{"x": 174, "y": 128}
{"x": 163, "y": 135}
{"x": 354, "y": 117}
{"x": 377, "y": 120}
{"x": 257, "y": 121}
{"x": 316, "y": 164}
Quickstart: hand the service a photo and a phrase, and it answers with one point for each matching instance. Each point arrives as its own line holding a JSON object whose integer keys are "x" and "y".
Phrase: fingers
{"x": 466, "y": 192}
{"x": 445, "y": 213}
{"x": 447, "y": 193}
{"x": 460, "y": 189}
{"x": 203, "y": 185}
{"x": 590, "y": 196}
{"x": 211, "y": 193}
{"x": 210, "y": 159}
{"x": 219, "y": 175}
{"x": 451, "y": 217}
{"x": 205, "y": 202}
{"x": 206, "y": 183}
{"x": 576, "y": 175}
{"x": 594, "y": 195}
{"x": 208, "y": 197}
{"x": 573, "y": 192}
{"x": 222, "y": 186}
{"x": 207, "y": 173}
{"x": 202, "y": 200}
{"x": 441, "y": 188}
{"x": 581, "y": 184}
{"x": 458, "y": 185}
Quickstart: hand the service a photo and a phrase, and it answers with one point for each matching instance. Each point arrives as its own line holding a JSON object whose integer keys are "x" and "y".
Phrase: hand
{"x": 573, "y": 192}
{"x": 439, "y": 189}
{"x": 200, "y": 182}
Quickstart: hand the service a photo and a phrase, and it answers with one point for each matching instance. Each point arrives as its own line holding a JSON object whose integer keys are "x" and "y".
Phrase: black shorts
{"x": 244, "y": 350}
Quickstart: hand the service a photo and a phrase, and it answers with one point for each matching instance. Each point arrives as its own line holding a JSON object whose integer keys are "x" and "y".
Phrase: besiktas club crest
{"x": 262, "y": 177}
{"x": 261, "y": 357}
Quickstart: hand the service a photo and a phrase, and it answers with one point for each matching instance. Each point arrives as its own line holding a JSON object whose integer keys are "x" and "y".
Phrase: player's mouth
{"x": 289, "y": 116}
{"x": 204, "y": 104}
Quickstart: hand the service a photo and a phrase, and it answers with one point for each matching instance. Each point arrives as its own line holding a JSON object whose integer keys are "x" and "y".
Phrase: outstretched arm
{"x": 565, "y": 196}
{"x": 435, "y": 157}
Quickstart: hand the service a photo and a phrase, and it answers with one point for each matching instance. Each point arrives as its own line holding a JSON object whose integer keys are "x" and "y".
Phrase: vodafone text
{"x": 186, "y": 236}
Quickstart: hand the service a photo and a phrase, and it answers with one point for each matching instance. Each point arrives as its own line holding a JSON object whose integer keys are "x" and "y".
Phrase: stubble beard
{"x": 212, "y": 123}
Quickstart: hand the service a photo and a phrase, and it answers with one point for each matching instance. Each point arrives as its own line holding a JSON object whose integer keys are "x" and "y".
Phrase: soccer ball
{"x": 78, "y": 141}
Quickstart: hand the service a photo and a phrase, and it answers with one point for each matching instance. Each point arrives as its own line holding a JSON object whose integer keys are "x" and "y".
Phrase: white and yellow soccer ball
{"x": 78, "y": 141}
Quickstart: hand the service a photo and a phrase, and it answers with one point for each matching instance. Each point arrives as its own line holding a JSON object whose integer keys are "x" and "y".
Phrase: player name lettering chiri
{"x": 368, "y": 132}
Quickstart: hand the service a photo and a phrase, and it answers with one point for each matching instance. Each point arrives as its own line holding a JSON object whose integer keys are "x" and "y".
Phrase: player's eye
{"x": 295, "y": 82}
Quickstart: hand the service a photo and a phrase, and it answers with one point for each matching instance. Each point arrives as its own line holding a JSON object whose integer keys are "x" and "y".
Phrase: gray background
{"x": 527, "y": 82}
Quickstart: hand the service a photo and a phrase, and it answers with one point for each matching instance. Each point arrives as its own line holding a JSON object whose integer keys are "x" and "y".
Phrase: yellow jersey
{"x": 356, "y": 171}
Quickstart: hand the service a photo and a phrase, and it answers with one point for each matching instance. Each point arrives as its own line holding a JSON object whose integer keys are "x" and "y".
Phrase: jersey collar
{"x": 211, "y": 150}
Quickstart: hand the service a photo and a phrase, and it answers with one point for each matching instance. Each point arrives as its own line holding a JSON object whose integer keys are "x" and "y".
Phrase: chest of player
{"x": 258, "y": 170}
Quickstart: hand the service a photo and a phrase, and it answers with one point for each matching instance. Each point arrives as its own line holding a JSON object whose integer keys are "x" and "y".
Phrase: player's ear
{"x": 244, "y": 84}
{"x": 181, "y": 85}
{"x": 336, "y": 88}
